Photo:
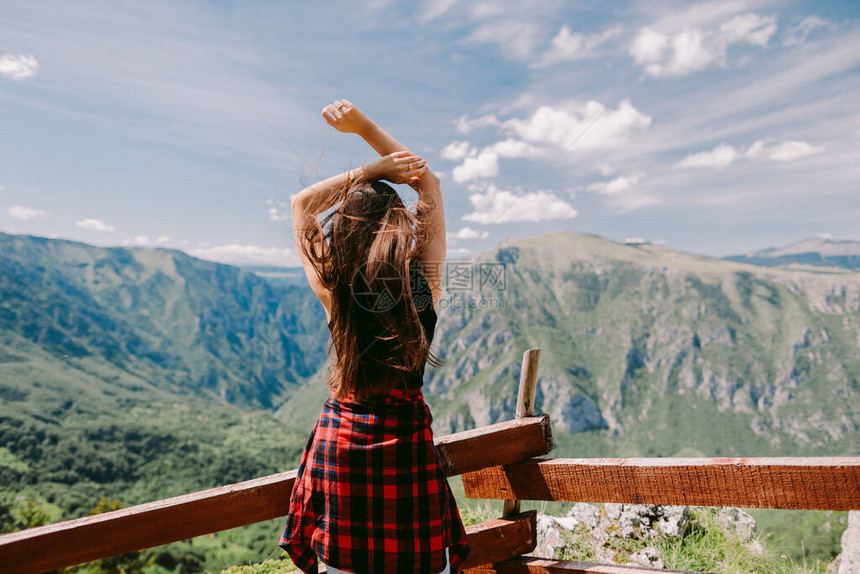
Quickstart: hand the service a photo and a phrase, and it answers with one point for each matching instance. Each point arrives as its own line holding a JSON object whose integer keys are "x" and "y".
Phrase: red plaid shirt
{"x": 371, "y": 495}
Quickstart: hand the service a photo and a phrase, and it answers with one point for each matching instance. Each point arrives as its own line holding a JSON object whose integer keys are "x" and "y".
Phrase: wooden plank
{"x": 164, "y": 521}
{"x": 91, "y": 537}
{"x": 819, "y": 483}
{"x": 501, "y": 538}
{"x": 531, "y": 565}
{"x": 525, "y": 406}
{"x": 502, "y": 443}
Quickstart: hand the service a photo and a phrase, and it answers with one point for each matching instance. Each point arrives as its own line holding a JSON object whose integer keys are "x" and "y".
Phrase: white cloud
{"x": 557, "y": 126}
{"x": 569, "y": 46}
{"x": 649, "y": 46}
{"x": 18, "y": 67}
{"x": 622, "y": 193}
{"x": 614, "y": 186}
{"x": 514, "y": 148}
{"x": 455, "y": 151}
{"x": 95, "y": 225}
{"x": 140, "y": 240}
{"x": 605, "y": 169}
{"x": 801, "y": 31}
{"x": 433, "y": 9}
{"x": 468, "y": 233}
{"x": 24, "y": 212}
{"x": 493, "y": 205}
{"x": 721, "y": 156}
{"x": 485, "y": 164}
{"x": 691, "y": 49}
{"x": 724, "y": 155}
{"x": 162, "y": 239}
{"x": 236, "y": 254}
{"x": 548, "y": 126}
{"x": 465, "y": 124}
{"x": 751, "y": 28}
{"x": 459, "y": 252}
{"x": 785, "y": 151}
{"x": 515, "y": 38}
{"x": 278, "y": 210}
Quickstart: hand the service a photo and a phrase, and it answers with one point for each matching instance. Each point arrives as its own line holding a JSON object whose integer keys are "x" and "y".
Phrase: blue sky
{"x": 715, "y": 127}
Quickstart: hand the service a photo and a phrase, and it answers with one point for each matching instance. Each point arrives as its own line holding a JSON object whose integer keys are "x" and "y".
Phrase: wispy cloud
{"x": 623, "y": 194}
{"x": 614, "y": 186}
{"x": 24, "y": 212}
{"x": 139, "y": 240}
{"x": 569, "y": 46}
{"x": 239, "y": 254}
{"x": 185, "y": 79}
{"x": 18, "y": 67}
{"x": 798, "y": 33}
{"x": 721, "y": 156}
{"x": 468, "y": 233}
{"x": 278, "y": 210}
{"x": 94, "y": 225}
{"x": 724, "y": 155}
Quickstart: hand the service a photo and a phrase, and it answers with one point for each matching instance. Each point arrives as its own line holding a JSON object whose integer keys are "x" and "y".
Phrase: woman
{"x": 370, "y": 494}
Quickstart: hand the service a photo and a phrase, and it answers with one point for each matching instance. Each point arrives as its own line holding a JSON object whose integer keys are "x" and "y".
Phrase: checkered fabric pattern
{"x": 371, "y": 495}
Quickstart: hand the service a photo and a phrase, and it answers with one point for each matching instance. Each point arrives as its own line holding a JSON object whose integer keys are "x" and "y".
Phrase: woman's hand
{"x": 345, "y": 117}
{"x": 398, "y": 167}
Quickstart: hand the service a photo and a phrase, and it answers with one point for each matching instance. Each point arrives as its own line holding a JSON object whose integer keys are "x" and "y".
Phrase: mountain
{"x": 280, "y": 275}
{"x": 182, "y": 324}
{"x": 647, "y": 351}
{"x": 815, "y": 252}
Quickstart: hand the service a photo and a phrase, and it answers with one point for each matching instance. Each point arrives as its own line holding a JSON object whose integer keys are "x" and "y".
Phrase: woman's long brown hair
{"x": 370, "y": 240}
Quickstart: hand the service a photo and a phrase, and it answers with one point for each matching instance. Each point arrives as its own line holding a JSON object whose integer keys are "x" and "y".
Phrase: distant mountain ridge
{"x": 180, "y": 322}
{"x": 815, "y": 251}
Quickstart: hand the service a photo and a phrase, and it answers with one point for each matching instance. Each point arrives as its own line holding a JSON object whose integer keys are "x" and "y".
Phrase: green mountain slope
{"x": 650, "y": 351}
{"x": 182, "y": 324}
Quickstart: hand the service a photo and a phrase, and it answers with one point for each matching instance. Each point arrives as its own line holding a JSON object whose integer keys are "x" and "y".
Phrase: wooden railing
{"x": 496, "y": 462}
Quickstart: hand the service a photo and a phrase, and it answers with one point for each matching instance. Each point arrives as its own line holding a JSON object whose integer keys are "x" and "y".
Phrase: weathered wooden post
{"x": 525, "y": 406}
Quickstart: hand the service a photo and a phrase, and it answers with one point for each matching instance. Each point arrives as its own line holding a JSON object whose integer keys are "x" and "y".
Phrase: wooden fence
{"x": 499, "y": 461}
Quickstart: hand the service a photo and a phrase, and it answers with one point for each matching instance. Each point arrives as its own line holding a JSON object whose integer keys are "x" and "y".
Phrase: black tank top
{"x": 422, "y": 299}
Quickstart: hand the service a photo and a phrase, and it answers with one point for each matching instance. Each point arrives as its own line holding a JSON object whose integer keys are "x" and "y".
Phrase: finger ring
{"x": 409, "y": 167}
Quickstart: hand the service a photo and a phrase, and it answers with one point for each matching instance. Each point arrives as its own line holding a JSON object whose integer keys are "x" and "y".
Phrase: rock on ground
{"x": 849, "y": 561}
{"x": 595, "y": 527}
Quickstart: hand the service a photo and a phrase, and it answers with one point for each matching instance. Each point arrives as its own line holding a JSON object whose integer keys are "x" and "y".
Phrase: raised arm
{"x": 397, "y": 167}
{"x": 346, "y": 117}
